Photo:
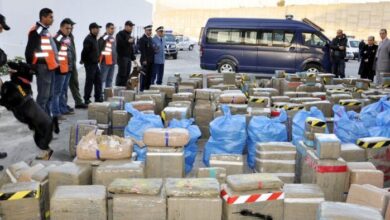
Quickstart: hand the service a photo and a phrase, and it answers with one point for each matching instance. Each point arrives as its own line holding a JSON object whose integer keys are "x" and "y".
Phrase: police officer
{"x": 145, "y": 45}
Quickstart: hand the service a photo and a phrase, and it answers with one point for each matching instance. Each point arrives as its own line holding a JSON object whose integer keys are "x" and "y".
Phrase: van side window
{"x": 265, "y": 39}
{"x": 250, "y": 37}
{"x": 282, "y": 38}
{"x": 312, "y": 40}
{"x": 224, "y": 36}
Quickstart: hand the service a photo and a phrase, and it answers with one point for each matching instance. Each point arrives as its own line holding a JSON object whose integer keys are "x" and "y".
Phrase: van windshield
{"x": 354, "y": 43}
{"x": 169, "y": 38}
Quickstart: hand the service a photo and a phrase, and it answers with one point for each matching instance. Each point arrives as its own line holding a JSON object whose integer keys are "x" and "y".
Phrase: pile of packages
{"x": 297, "y": 146}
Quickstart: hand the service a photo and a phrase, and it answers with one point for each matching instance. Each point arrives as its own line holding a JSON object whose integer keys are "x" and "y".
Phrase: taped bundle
{"x": 168, "y": 137}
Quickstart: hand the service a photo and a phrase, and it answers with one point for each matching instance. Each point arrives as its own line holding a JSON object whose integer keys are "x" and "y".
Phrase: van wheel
{"x": 191, "y": 47}
{"x": 313, "y": 68}
{"x": 227, "y": 66}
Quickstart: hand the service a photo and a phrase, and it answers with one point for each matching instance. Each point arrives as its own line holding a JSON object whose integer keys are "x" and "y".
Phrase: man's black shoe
{"x": 81, "y": 106}
{"x": 3, "y": 155}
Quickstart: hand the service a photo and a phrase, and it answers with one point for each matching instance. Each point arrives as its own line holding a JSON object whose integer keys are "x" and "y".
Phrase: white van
{"x": 352, "y": 49}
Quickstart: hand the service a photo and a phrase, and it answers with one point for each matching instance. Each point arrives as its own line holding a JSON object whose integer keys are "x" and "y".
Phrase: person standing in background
{"x": 147, "y": 57}
{"x": 125, "y": 50}
{"x": 90, "y": 59}
{"x": 338, "y": 46}
{"x": 361, "y": 45}
{"x": 367, "y": 54}
{"x": 159, "y": 56}
{"x": 108, "y": 56}
{"x": 382, "y": 57}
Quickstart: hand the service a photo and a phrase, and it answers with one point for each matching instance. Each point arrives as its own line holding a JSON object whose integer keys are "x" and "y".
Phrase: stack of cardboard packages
{"x": 277, "y": 158}
{"x": 213, "y": 172}
{"x": 232, "y": 163}
{"x": 313, "y": 126}
{"x": 101, "y": 112}
{"x": 204, "y": 109}
{"x": 120, "y": 119}
{"x": 168, "y": 90}
{"x": 153, "y": 95}
{"x": 341, "y": 211}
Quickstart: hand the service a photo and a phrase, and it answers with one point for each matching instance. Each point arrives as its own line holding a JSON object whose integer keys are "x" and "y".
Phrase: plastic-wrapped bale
{"x": 120, "y": 118}
{"x": 26, "y": 174}
{"x": 229, "y": 78}
{"x": 316, "y": 87}
{"x": 370, "y": 196}
{"x": 258, "y": 112}
{"x": 352, "y": 153}
{"x": 351, "y": 104}
{"x": 301, "y": 201}
{"x": 335, "y": 98}
{"x": 191, "y": 82}
{"x": 272, "y": 91}
{"x": 252, "y": 195}
{"x": 204, "y": 113}
{"x": 282, "y": 98}
{"x": 313, "y": 125}
{"x": 189, "y": 198}
{"x": 144, "y": 198}
{"x": 212, "y": 82}
{"x": 69, "y": 174}
{"x": 170, "y": 113}
{"x": 186, "y": 88}
{"x": 326, "y": 78}
{"x": 302, "y": 172}
{"x": 235, "y": 98}
{"x": 379, "y": 156}
{"x": 79, "y": 130}
{"x": 236, "y": 109}
{"x": 21, "y": 201}
{"x": 363, "y": 173}
{"x": 258, "y": 101}
{"x": 144, "y": 105}
{"x": 116, "y": 102}
{"x": 293, "y": 94}
{"x": 213, "y": 172}
{"x": 302, "y": 100}
{"x": 183, "y": 96}
{"x": 108, "y": 92}
{"x": 79, "y": 202}
{"x": 330, "y": 175}
{"x": 324, "y": 106}
{"x": 321, "y": 95}
{"x": 159, "y": 100}
{"x": 166, "y": 137}
{"x": 343, "y": 211}
{"x": 104, "y": 147}
{"x": 187, "y": 104}
{"x": 168, "y": 90}
{"x": 128, "y": 95}
{"x": 233, "y": 163}
{"x": 207, "y": 94}
{"x": 108, "y": 171}
{"x": 162, "y": 162}
{"x": 327, "y": 146}
{"x": 99, "y": 111}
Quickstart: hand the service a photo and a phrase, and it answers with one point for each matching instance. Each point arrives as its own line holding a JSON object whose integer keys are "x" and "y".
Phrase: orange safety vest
{"x": 63, "y": 59}
{"x": 47, "y": 52}
{"x": 107, "y": 52}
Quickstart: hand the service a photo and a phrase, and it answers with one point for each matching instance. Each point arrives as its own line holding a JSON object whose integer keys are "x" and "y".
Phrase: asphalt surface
{"x": 17, "y": 140}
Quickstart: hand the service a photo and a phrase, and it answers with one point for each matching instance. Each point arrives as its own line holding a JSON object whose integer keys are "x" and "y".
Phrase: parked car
{"x": 263, "y": 45}
{"x": 170, "y": 46}
{"x": 352, "y": 49}
{"x": 184, "y": 43}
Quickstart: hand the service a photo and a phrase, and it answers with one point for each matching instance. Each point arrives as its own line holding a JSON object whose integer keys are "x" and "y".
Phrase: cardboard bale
{"x": 317, "y": 87}
{"x": 69, "y": 174}
{"x": 178, "y": 113}
{"x": 343, "y": 211}
{"x": 370, "y": 196}
{"x": 189, "y": 82}
{"x": 272, "y": 91}
{"x": 183, "y": 96}
{"x": 379, "y": 157}
{"x": 259, "y": 111}
{"x": 301, "y": 201}
{"x": 280, "y": 99}
{"x": 204, "y": 114}
{"x": 168, "y": 90}
{"x": 351, "y": 104}
{"x": 213, "y": 172}
{"x": 302, "y": 100}
{"x": 252, "y": 185}
{"x": 275, "y": 166}
{"x": 186, "y": 104}
{"x": 79, "y": 130}
{"x": 326, "y": 78}
{"x": 258, "y": 101}
{"x": 159, "y": 100}
{"x": 328, "y": 146}
{"x": 26, "y": 174}
{"x": 321, "y": 95}
{"x": 275, "y": 146}
{"x": 99, "y": 111}
{"x": 79, "y": 203}
{"x": 233, "y": 163}
{"x": 21, "y": 201}
{"x": 120, "y": 119}
{"x": 335, "y": 98}
{"x": 162, "y": 162}
{"x": 144, "y": 198}
{"x": 193, "y": 195}
{"x": 14, "y": 170}
{"x": 128, "y": 95}
{"x": 276, "y": 155}
{"x": 325, "y": 107}
{"x": 205, "y": 130}
{"x": 360, "y": 169}
{"x": 108, "y": 171}
{"x": 372, "y": 177}
{"x": 234, "y": 98}
{"x": 166, "y": 137}
{"x": 145, "y": 105}
{"x": 229, "y": 78}
{"x": 352, "y": 153}
{"x": 207, "y": 94}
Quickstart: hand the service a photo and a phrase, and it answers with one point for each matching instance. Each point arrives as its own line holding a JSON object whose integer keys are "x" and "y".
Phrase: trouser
{"x": 74, "y": 86}
{"x": 59, "y": 82}
{"x": 124, "y": 68}
{"x": 107, "y": 72}
{"x": 45, "y": 84}
{"x": 338, "y": 67}
{"x": 93, "y": 79}
{"x": 378, "y": 78}
{"x": 158, "y": 72}
{"x": 146, "y": 78}
{"x": 64, "y": 95}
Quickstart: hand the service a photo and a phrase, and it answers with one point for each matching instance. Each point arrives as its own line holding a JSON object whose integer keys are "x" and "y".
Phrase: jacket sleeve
{"x": 120, "y": 41}
{"x": 101, "y": 44}
{"x": 86, "y": 49}
{"x": 132, "y": 52}
{"x": 32, "y": 46}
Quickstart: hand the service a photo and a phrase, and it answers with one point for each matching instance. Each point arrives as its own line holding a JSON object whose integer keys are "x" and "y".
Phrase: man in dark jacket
{"x": 90, "y": 59}
{"x": 338, "y": 47}
{"x": 145, "y": 45}
{"x": 125, "y": 51}
{"x": 366, "y": 69}
{"x": 361, "y": 45}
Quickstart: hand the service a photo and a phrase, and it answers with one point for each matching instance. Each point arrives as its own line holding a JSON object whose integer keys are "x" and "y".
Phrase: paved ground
{"x": 16, "y": 138}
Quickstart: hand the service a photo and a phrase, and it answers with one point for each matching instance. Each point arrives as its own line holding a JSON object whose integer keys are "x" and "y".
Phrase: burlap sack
{"x": 169, "y": 137}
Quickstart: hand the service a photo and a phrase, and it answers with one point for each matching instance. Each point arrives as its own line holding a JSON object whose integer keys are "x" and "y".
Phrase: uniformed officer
{"x": 145, "y": 45}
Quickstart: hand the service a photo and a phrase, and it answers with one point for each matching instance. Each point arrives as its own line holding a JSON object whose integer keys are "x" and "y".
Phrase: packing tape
{"x": 325, "y": 169}
{"x": 315, "y": 122}
{"x": 20, "y": 195}
{"x": 310, "y": 75}
{"x": 293, "y": 108}
{"x": 257, "y": 100}
{"x": 194, "y": 75}
{"x": 377, "y": 144}
{"x": 303, "y": 200}
{"x": 219, "y": 162}
{"x": 163, "y": 115}
{"x": 242, "y": 199}
{"x": 350, "y": 103}
{"x": 98, "y": 154}
{"x": 164, "y": 153}
{"x": 166, "y": 136}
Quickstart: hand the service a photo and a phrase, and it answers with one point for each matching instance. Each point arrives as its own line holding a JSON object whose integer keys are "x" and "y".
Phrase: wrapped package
{"x": 275, "y": 146}
{"x": 164, "y": 162}
{"x": 258, "y": 112}
{"x": 302, "y": 172}
{"x": 79, "y": 130}
{"x": 229, "y": 78}
{"x": 144, "y": 105}
{"x": 327, "y": 146}
{"x": 335, "y": 98}
{"x": 272, "y": 91}
{"x": 99, "y": 111}
{"x": 373, "y": 142}
{"x": 251, "y": 195}
{"x": 321, "y": 95}
{"x": 186, "y": 88}
{"x": 343, "y": 211}
{"x": 326, "y": 78}
{"x": 301, "y": 201}
{"x": 128, "y": 95}
{"x": 187, "y": 104}
{"x": 108, "y": 92}
{"x": 351, "y": 104}
{"x": 379, "y": 157}
{"x": 370, "y": 196}
{"x": 275, "y": 166}
{"x": 235, "y": 98}
{"x": 168, "y": 137}
{"x": 14, "y": 170}
{"x": 144, "y": 198}
{"x": 361, "y": 170}
{"x": 325, "y": 107}
{"x": 233, "y": 163}
{"x": 204, "y": 113}
{"x": 79, "y": 202}
{"x": 207, "y": 94}
{"x": 159, "y": 100}
{"x": 168, "y": 90}
{"x": 189, "y": 198}
{"x": 26, "y": 174}
{"x": 104, "y": 147}
{"x": 178, "y": 113}
{"x": 301, "y": 100}
{"x": 213, "y": 172}
{"x": 224, "y": 87}
{"x": 352, "y": 153}
{"x": 316, "y": 87}
{"x": 280, "y": 99}
{"x": 21, "y": 201}
{"x": 296, "y": 94}
{"x": 120, "y": 118}
{"x": 116, "y": 102}
{"x": 108, "y": 171}
{"x": 183, "y": 96}
{"x": 258, "y": 101}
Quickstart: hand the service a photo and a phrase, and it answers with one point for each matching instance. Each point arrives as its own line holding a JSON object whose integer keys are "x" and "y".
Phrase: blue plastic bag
{"x": 264, "y": 129}
{"x": 191, "y": 149}
{"x": 347, "y": 125}
{"x": 299, "y": 120}
{"x": 382, "y": 128}
{"x": 369, "y": 113}
{"x": 228, "y": 135}
{"x": 137, "y": 125}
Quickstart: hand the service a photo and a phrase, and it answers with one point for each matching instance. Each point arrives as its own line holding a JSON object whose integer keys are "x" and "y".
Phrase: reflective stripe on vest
{"x": 63, "y": 59}
{"x": 107, "y": 53}
{"x": 47, "y": 52}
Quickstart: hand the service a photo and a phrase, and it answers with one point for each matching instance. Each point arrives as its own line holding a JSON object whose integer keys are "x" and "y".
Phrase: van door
{"x": 313, "y": 48}
{"x": 276, "y": 50}
{"x": 248, "y": 62}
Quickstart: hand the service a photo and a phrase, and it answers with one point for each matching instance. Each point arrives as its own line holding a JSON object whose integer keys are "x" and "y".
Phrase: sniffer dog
{"x": 16, "y": 96}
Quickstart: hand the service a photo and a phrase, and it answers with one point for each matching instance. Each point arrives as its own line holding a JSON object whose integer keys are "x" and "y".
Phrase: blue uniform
{"x": 159, "y": 59}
